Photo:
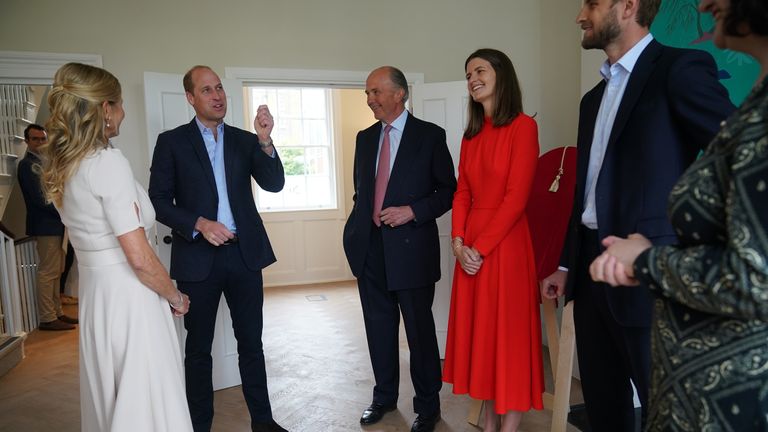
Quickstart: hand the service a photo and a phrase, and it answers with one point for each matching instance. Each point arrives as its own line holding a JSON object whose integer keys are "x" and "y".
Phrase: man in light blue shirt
{"x": 200, "y": 186}
{"x": 639, "y": 129}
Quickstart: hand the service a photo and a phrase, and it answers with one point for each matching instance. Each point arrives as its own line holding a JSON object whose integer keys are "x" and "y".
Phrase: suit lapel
{"x": 368, "y": 161}
{"x": 637, "y": 81}
{"x": 229, "y": 154}
{"x": 198, "y": 145}
{"x": 406, "y": 153}
{"x": 588, "y": 118}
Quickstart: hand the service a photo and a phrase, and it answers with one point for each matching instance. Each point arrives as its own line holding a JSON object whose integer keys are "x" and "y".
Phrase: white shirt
{"x": 616, "y": 76}
{"x": 395, "y": 134}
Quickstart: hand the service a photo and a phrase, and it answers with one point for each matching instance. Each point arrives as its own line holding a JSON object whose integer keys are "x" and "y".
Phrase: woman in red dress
{"x": 494, "y": 335}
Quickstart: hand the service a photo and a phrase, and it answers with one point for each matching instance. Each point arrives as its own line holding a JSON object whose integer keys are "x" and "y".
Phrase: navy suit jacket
{"x": 182, "y": 188}
{"x": 42, "y": 217}
{"x": 422, "y": 177}
{"x": 671, "y": 109}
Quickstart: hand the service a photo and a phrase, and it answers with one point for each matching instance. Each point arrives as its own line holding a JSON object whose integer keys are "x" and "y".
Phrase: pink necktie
{"x": 382, "y": 177}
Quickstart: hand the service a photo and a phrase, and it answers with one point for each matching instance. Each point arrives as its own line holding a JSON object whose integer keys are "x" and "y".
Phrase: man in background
{"x": 44, "y": 224}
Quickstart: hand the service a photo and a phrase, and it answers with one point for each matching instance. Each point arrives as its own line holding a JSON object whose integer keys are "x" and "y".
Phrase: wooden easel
{"x": 562, "y": 342}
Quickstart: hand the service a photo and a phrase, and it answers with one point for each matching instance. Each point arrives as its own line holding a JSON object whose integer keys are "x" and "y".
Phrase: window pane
{"x": 268, "y": 200}
{"x": 295, "y": 192}
{"x": 315, "y": 133}
{"x": 258, "y": 97}
{"x": 319, "y": 191}
{"x": 288, "y": 132}
{"x": 317, "y": 161}
{"x": 303, "y": 137}
{"x": 262, "y": 96}
{"x": 289, "y": 103}
{"x": 293, "y": 161}
{"x": 313, "y": 103}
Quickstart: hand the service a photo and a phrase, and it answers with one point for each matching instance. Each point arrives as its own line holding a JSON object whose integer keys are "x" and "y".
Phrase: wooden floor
{"x": 318, "y": 368}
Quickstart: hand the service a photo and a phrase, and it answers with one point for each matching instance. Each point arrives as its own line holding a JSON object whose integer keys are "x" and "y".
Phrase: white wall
{"x": 560, "y": 74}
{"x": 591, "y": 60}
{"x": 429, "y": 36}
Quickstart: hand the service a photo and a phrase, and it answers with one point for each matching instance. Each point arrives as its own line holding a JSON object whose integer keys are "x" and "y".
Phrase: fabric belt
{"x": 91, "y": 258}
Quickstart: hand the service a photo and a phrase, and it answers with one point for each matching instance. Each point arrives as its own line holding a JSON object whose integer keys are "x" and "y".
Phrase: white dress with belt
{"x": 131, "y": 375}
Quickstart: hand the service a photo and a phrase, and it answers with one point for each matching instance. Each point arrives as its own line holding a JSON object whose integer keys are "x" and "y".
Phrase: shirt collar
{"x": 628, "y": 60}
{"x": 203, "y": 128}
{"x": 399, "y": 123}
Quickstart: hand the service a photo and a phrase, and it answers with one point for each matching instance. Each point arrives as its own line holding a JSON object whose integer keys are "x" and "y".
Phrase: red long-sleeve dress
{"x": 494, "y": 331}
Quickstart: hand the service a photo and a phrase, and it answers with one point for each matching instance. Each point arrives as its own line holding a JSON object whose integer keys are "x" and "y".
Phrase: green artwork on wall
{"x": 680, "y": 24}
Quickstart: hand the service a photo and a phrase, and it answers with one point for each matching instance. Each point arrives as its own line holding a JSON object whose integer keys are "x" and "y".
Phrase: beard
{"x": 602, "y": 36}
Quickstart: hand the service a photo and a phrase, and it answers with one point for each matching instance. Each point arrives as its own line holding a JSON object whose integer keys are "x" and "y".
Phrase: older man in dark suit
{"x": 404, "y": 180}
{"x": 639, "y": 129}
{"x": 201, "y": 187}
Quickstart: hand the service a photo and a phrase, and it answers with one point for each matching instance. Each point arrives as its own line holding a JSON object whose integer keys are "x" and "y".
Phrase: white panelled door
{"x": 444, "y": 104}
{"x": 167, "y": 108}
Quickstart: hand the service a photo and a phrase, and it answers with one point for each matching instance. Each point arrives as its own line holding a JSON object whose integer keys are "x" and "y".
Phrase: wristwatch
{"x": 265, "y": 145}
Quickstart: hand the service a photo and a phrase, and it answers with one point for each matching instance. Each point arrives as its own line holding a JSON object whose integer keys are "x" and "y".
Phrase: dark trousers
{"x": 609, "y": 354}
{"x": 381, "y": 313}
{"x": 243, "y": 290}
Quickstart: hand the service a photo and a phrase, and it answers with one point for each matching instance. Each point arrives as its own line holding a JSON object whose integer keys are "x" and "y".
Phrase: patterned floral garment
{"x": 710, "y": 338}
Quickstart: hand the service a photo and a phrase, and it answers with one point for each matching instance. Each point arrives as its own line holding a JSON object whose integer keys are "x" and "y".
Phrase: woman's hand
{"x": 181, "y": 306}
{"x": 615, "y": 266}
{"x": 469, "y": 259}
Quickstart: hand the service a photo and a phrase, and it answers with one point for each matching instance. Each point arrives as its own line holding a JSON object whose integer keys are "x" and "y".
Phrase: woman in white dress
{"x": 131, "y": 376}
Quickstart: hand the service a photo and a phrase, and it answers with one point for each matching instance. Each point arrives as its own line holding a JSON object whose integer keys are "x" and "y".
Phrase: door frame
{"x": 311, "y": 77}
{"x": 38, "y": 68}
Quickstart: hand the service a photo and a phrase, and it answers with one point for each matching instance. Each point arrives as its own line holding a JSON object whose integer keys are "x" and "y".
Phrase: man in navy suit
{"x": 200, "y": 186}
{"x": 639, "y": 129}
{"x": 404, "y": 180}
{"x": 43, "y": 223}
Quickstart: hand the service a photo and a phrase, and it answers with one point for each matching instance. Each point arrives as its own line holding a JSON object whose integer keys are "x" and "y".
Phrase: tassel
{"x": 556, "y": 182}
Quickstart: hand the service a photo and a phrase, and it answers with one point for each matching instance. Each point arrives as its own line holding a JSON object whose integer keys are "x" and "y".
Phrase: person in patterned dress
{"x": 710, "y": 337}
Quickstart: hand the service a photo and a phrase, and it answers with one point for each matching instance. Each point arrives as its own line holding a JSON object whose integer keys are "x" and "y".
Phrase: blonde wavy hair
{"x": 76, "y": 127}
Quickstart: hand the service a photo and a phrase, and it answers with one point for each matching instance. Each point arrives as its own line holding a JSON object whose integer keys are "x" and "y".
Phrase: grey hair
{"x": 398, "y": 79}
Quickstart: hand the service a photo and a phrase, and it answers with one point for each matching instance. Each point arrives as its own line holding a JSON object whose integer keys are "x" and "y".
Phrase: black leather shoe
{"x": 270, "y": 426}
{"x": 375, "y": 412}
{"x": 424, "y": 423}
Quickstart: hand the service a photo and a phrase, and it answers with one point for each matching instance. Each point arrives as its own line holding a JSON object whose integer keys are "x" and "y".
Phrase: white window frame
{"x": 331, "y": 110}
{"x": 308, "y": 78}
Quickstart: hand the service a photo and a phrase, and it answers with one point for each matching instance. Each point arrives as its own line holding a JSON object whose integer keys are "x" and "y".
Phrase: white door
{"x": 167, "y": 108}
{"x": 444, "y": 104}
